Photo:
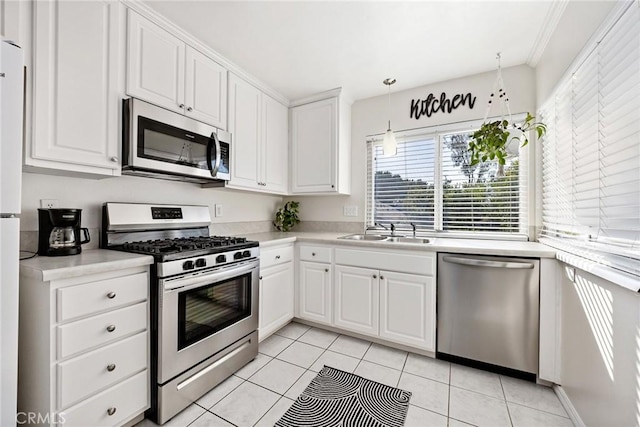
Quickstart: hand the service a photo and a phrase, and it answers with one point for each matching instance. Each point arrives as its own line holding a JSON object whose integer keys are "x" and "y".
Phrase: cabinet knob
{"x": 111, "y": 411}
{"x": 189, "y": 109}
{"x": 375, "y": 277}
{"x": 260, "y": 277}
{"x": 111, "y": 367}
{"x": 313, "y": 254}
{"x": 326, "y": 270}
{"x": 333, "y": 186}
{"x": 381, "y": 278}
{"x": 114, "y": 159}
{"x": 111, "y": 295}
{"x": 277, "y": 256}
{"x": 111, "y": 328}
{"x": 181, "y": 106}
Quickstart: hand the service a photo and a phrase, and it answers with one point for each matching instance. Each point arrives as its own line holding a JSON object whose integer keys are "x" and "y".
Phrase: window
{"x": 430, "y": 183}
{"x": 591, "y": 153}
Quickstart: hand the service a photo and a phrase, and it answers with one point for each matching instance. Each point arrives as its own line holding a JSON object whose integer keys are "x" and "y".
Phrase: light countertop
{"x": 472, "y": 246}
{"x": 90, "y": 261}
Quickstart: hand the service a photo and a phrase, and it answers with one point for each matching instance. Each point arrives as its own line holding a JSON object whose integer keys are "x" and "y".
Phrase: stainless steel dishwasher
{"x": 488, "y": 312}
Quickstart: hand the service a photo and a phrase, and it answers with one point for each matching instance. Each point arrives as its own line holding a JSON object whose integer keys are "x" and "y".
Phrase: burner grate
{"x": 182, "y": 244}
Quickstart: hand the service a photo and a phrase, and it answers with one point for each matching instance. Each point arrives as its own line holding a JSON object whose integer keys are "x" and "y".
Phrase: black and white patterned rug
{"x": 338, "y": 398}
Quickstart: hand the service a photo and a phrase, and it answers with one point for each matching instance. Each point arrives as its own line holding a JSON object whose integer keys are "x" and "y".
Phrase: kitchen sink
{"x": 400, "y": 239}
{"x": 373, "y": 237}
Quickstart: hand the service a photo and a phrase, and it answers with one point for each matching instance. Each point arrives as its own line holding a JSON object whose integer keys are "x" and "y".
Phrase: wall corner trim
{"x": 568, "y": 406}
{"x": 551, "y": 20}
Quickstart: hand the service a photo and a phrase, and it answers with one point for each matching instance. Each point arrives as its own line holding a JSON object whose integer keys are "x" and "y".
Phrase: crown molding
{"x": 316, "y": 97}
{"x": 551, "y": 20}
{"x": 158, "y": 19}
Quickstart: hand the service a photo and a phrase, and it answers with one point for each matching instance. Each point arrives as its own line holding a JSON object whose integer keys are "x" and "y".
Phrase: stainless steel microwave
{"x": 159, "y": 143}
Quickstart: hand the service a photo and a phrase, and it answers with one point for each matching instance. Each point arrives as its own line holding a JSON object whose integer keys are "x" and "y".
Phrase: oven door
{"x": 160, "y": 140}
{"x": 203, "y": 313}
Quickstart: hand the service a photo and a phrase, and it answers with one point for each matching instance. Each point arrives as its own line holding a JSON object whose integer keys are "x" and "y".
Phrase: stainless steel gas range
{"x": 203, "y": 293}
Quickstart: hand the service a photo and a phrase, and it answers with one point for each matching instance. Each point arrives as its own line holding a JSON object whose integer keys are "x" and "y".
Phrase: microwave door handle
{"x": 213, "y": 168}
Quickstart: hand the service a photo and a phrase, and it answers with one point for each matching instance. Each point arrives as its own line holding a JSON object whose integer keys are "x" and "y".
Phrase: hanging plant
{"x": 491, "y": 140}
{"x": 287, "y": 216}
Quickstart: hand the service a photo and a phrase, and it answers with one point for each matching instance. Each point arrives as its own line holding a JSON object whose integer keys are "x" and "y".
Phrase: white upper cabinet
{"x": 164, "y": 70}
{"x": 77, "y": 87}
{"x": 320, "y": 146}
{"x": 258, "y": 124}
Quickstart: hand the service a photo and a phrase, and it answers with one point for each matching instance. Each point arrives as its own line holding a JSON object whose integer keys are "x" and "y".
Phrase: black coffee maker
{"x": 59, "y": 232}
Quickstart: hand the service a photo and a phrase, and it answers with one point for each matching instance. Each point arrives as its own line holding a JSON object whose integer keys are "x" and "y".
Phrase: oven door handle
{"x": 213, "y": 139}
{"x": 187, "y": 283}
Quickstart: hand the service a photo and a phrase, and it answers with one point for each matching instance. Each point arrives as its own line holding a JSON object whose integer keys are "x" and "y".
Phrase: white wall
{"x": 90, "y": 194}
{"x": 369, "y": 117}
{"x": 576, "y": 26}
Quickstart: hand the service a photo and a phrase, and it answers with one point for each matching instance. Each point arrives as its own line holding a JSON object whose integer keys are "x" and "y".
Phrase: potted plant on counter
{"x": 287, "y": 216}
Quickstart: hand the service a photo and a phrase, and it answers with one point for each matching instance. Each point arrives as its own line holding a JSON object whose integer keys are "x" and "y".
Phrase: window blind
{"x": 591, "y": 153}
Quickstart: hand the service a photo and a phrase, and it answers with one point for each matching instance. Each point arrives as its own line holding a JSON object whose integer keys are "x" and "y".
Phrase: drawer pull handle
{"x": 111, "y": 295}
{"x": 313, "y": 254}
{"x": 326, "y": 270}
{"x": 277, "y": 256}
{"x": 111, "y": 367}
{"x": 111, "y": 411}
{"x": 111, "y": 328}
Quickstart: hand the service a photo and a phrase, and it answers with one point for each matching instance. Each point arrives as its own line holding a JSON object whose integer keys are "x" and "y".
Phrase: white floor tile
{"x": 318, "y": 337}
{"x": 418, "y": 417}
{"x": 301, "y": 354}
{"x": 426, "y": 393}
{"x": 300, "y": 385}
{"x": 476, "y": 380}
{"x": 185, "y": 417}
{"x": 350, "y": 346}
{"x": 378, "y": 373}
{"x": 275, "y": 413}
{"x": 335, "y": 360}
{"x": 219, "y": 392}
{"x": 254, "y": 366}
{"x": 456, "y": 423}
{"x": 245, "y": 405}
{"x": 522, "y": 416}
{"x": 277, "y": 376}
{"x": 209, "y": 420}
{"x": 293, "y": 330}
{"x": 532, "y": 395}
{"x": 428, "y": 367}
{"x": 273, "y": 345}
{"x": 478, "y": 409}
{"x": 386, "y": 356}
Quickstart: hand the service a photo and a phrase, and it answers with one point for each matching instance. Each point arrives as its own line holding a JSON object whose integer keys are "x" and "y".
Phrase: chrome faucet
{"x": 393, "y": 229}
{"x": 413, "y": 227}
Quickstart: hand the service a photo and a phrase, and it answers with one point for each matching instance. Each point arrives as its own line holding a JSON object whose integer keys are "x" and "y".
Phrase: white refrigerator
{"x": 11, "y": 121}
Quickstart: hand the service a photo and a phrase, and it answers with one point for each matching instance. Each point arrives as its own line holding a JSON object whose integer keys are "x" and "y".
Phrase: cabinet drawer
{"x": 128, "y": 398}
{"x": 403, "y": 262}
{"x": 315, "y": 253}
{"x": 275, "y": 256}
{"x": 88, "y": 298}
{"x": 88, "y": 373}
{"x": 87, "y": 333}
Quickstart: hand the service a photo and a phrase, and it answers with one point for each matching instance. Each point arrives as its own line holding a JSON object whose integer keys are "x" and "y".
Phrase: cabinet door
{"x": 356, "y": 299}
{"x": 205, "y": 89}
{"x": 275, "y": 147}
{"x": 77, "y": 58}
{"x": 315, "y": 292}
{"x": 155, "y": 64}
{"x": 276, "y": 299}
{"x": 244, "y": 125}
{"x": 408, "y": 309}
{"x": 11, "y": 21}
{"x": 314, "y": 138}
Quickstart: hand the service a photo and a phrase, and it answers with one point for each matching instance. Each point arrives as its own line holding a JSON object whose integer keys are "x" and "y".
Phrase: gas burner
{"x": 183, "y": 244}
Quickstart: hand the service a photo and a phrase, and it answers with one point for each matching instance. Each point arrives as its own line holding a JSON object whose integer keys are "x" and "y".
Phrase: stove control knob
{"x": 201, "y": 262}
{"x": 188, "y": 265}
{"x": 246, "y": 254}
{"x": 237, "y": 255}
{"x": 221, "y": 258}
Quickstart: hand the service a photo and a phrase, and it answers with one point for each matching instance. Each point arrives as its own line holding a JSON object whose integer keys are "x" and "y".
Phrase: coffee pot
{"x": 59, "y": 232}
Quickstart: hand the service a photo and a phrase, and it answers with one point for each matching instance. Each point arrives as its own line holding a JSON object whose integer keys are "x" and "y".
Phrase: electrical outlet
{"x": 218, "y": 210}
{"x": 350, "y": 210}
{"x": 49, "y": 203}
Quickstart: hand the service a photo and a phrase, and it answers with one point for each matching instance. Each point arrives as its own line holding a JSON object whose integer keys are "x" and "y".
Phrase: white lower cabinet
{"x": 407, "y": 309}
{"x": 276, "y": 290}
{"x": 356, "y": 299}
{"x": 84, "y": 346}
{"x": 314, "y": 292}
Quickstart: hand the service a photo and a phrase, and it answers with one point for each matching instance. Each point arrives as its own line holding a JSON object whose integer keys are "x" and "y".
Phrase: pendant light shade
{"x": 389, "y": 144}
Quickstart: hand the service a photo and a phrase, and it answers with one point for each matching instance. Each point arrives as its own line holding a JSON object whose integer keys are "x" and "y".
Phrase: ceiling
{"x": 300, "y": 48}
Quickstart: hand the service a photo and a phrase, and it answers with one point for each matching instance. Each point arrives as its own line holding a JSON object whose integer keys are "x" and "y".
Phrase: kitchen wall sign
{"x": 431, "y": 104}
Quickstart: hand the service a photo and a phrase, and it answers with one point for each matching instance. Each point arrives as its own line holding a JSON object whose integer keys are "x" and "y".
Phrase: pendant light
{"x": 389, "y": 144}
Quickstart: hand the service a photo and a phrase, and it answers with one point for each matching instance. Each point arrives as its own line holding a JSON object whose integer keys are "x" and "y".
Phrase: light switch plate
{"x": 218, "y": 210}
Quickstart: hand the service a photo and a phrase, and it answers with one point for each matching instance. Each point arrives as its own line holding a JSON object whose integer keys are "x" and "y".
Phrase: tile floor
{"x": 443, "y": 394}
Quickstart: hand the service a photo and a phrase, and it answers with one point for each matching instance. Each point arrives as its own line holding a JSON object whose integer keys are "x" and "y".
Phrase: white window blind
{"x": 591, "y": 153}
{"x": 431, "y": 183}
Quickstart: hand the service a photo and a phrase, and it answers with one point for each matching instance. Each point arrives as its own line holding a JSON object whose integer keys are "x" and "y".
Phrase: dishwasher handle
{"x": 486, "y": 263}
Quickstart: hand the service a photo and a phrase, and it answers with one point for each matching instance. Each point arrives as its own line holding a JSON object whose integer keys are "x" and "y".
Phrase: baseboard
{"x": 568, "y": 406}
